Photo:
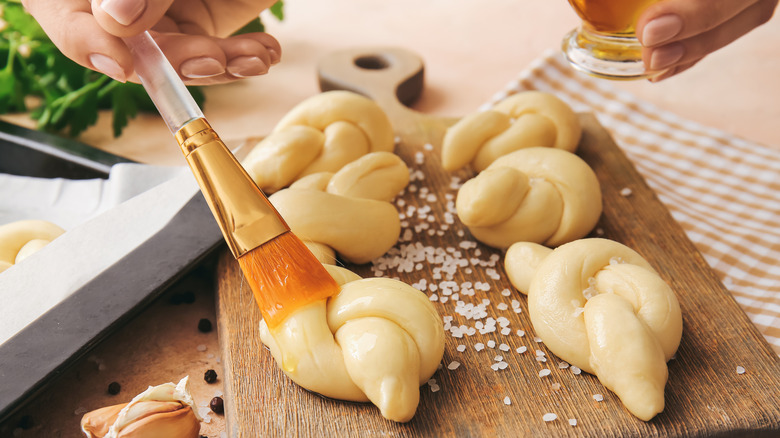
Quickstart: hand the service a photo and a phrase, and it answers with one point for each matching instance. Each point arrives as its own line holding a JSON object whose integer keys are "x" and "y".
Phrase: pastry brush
{"x": 281, "y": 271}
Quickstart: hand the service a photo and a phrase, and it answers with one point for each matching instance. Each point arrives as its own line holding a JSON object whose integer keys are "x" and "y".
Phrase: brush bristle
{"x": 284, "y": 276}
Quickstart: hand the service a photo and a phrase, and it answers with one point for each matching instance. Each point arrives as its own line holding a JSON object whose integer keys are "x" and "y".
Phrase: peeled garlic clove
{"x": 165, "y": 410}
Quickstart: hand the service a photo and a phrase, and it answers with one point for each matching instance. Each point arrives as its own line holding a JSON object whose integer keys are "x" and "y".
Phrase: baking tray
{"x": 45, "y": 348}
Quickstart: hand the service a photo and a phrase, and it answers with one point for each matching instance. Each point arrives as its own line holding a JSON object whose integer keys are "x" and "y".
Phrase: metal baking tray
{"x": 41, "y": 351}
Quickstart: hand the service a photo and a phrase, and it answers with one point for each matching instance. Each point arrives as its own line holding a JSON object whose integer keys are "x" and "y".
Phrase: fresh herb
{"x": 61, "y": 95}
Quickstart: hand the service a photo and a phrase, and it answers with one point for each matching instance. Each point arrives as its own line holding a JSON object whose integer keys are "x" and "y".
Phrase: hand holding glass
{"x": 605, "y": 44}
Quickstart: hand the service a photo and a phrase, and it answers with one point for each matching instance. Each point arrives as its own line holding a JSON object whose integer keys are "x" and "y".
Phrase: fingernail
{"x": 275, "y": 57}
{"x": 666, "y": 56}
{"x": 660, "y": 30}
{"x": 125, "y": 12}
{"x": 244, "y": 66}
{"x": 107, "y": 66}
{"x": 196, "y": 68}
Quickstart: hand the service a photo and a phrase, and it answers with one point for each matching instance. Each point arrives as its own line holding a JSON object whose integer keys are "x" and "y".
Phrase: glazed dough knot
{"x": 600, "y": 306}
{"x": 537, "y": 194}
{"x": 348, "y": 212}
{"x": 377, "y": 340}
{"x": 526, "y": 119}
{"x": 321, "y": 134}
{"x": 20, "y": 239}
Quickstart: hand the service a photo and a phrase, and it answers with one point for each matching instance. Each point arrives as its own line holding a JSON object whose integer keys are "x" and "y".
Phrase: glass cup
{"x": 605, "y": 44}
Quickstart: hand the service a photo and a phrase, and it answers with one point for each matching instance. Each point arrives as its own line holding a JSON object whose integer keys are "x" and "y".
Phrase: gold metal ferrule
{"x": 244, "y": 214}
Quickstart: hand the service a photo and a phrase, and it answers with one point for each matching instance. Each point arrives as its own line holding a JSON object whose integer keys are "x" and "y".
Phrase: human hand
{"x": 193, "y": 34}
{"x": 676, "y": 34}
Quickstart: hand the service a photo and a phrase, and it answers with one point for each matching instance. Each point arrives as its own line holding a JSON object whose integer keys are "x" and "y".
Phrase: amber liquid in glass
{"x": 613, "y": 17}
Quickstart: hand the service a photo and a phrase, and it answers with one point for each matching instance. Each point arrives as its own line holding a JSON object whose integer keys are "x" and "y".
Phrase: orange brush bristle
{"x": 284, "y": 276}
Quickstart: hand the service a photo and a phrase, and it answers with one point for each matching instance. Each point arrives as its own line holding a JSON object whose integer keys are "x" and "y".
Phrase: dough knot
{"x": 600, "y": 306}
{"x": 536, "y": 194}
{"x": 377, "y": 340}
{"x": 526, "y": 119}
{"x": 349, "y": 211}
{"x": 321, "y": 134}
{"x": 20, "y": 239}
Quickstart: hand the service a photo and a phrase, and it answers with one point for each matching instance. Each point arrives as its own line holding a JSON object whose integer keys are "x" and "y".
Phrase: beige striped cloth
{"x": 723, "y": 190}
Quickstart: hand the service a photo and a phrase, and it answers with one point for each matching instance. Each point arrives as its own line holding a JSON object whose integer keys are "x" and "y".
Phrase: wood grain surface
{"x": 705, "y": 395}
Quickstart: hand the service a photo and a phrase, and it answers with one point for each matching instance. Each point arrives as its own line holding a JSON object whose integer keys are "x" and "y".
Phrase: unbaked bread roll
{"x": 378, "y": 340}
{"x": 538, "y": 194}
{"x": 321, "y": 134}
{"x": 349, "y": 211}
{"x": 20, "y": 239}
{"x": 527, "y": 119}
{"x": 600, "y": 306}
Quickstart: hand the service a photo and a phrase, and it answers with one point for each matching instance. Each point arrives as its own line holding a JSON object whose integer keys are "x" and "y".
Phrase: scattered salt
{"x": 563, "y": 365}
{"x": 453, "y": 365}
{"x": 522, "y": 349}
{"x": 556, "y": 386}
{"x": 503, "y": 347}
{"x": 625, "y": 191}
{"x": 201, "y": 347}
{"x": 549, "y": 417}
{"x": 544, "y": 372}
{"x": 479, "y": 346}
{"x": 507, "y": 401}
{"x": 461, "y": 348}
{"x": 740, "y": 370}
{"x": 520, "y": 333}
{"x": 573, "y": 421}
{"x": 491, "y": 343}
{"x": 598, "y": 397}
{"x": 576, "y": 370}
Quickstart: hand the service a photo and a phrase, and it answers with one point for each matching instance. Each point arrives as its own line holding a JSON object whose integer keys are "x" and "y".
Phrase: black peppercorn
{"x": 217, "y": 405}
{"x": 204, "y": 325}
{"x": 210, "y": 376}
{"x": 114, "y": 388}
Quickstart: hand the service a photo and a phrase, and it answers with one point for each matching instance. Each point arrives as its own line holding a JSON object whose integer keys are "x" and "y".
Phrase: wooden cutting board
{"x": 705, "y": 395}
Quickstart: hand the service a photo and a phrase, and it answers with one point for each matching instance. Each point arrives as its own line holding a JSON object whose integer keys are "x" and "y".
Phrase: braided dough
{"x": 348, "y": 212}
{"x": 20, "y": 239}
{"x": 527, "y": 119}
{"x": 537, "y": 194}
{"x": 378, "y": 340}
{"x": 321, "y": 134}
{"x": 600, "y": 306}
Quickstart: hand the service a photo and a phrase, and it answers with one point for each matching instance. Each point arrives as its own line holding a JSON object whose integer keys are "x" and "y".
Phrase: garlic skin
{"x": 164, "y": 411}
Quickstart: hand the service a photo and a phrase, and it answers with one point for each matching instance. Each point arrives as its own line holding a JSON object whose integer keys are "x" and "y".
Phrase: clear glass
{"x": 605, "y": 44}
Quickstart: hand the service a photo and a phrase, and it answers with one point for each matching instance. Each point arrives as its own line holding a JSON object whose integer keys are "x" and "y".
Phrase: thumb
{"x": 125, "y": 18}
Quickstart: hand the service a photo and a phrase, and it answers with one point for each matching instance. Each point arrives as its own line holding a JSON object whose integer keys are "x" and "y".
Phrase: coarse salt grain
{"x": 461, "y": 348}
{"x": 556, "y": 386}
{"x": 544, "y": 372}
{"x": 453, "y": 365}
{"x": 503, "y": 347}
{"x": 625, "y": 191}
{"x": 522, "y": 349}
{"x": 576, "y": 370}
{"x": 563, "y": 365}
{"x": 479, "y": 346}
{"x": 537, "y": 339}
{"x": 572, "y": 421}
{"x": 506, "y": 292}
{"x": 549, "y": 417}
{"x": 740, "y": 370}
{"x": 520, "y": 333}
{"x": 598, "y": 397}
{"x": 201, "y": 347}
{"x": 502, "y": 306}
{"x": 491, "y": 343}
{"x": 507, "y": 401}
{"x": 505, "y": 331}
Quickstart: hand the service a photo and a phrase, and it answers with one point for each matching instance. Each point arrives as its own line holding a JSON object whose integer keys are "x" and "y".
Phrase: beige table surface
{"x": 471, "y": 49}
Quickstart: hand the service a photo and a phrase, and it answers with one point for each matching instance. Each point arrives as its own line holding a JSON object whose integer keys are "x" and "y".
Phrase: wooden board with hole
{"x": 705, "y": 395}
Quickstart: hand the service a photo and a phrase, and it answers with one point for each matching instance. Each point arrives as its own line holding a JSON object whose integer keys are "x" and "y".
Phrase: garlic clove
{"x": 165, "y": 410}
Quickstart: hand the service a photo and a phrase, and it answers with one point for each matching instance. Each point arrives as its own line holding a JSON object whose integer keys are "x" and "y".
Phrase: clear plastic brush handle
{"x": 162, "y": 83}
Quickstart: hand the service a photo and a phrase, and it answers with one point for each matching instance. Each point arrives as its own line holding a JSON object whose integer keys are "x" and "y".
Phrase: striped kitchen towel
{"x": 723, "y": 190}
